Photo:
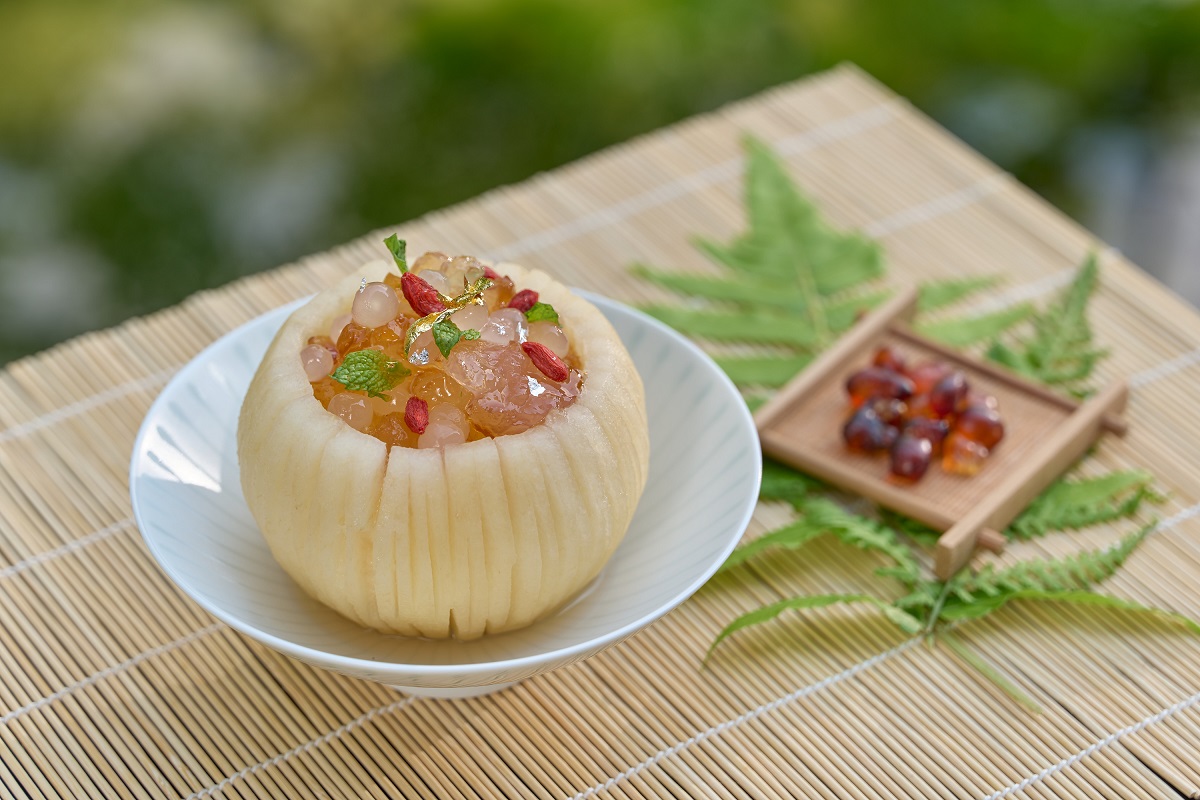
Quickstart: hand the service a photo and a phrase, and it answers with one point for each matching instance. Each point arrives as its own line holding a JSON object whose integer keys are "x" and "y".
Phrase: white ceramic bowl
{"x": 705, "y": 468}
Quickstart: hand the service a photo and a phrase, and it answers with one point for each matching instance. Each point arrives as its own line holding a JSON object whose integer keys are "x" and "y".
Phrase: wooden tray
{"x": 1044, "y": 433}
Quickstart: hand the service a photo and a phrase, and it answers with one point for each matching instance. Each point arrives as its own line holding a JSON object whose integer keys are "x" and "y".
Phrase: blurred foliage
{"x": 150, "y": 149}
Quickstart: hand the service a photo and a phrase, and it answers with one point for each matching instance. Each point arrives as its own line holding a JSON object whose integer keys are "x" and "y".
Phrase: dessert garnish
{"x": 445, "y": 350}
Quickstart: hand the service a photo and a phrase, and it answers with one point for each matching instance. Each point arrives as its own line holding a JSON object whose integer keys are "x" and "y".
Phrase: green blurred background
{"x": 150, "y": 149}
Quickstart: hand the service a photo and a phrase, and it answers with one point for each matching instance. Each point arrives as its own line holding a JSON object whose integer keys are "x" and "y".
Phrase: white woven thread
{"x": 1165, "y": 369}
{"x": 752, "y": 714}
{"x": 1176, "y": 518}
{"x": 113, "y": 670}
{"x": 87, "y": 404}
{"x": 69, "y": 547}
{"x": 1087, "y": 751}
{"x": 358, "y": 722}
{"x": 937, "y": 207}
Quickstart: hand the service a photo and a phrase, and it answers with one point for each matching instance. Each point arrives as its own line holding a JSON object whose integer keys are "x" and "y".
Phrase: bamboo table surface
{"x": 113, "y": 684}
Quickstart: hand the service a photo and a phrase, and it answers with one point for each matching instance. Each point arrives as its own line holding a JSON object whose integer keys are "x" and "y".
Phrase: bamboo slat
{"x": 113, "y": 684}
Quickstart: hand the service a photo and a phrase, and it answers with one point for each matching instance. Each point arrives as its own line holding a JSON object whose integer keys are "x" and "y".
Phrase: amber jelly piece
{"x": 325, "y": 389}
{"x": 891, "y": 410}
{"x": 931, "y": 430}
{"x": 435, "y": 387}
{"x": 925, "y": 375}
{"x": 910, "y": 457}
{"x": 889, "y": 357}
{"x": 390, "y": 338}
{"x": 391, "y": 430}
{"x": 981, "y": 425}
{"x": 877, "y": 382}
{"x": 865, "y": 432}
{"x": 949, "y": 394}
{"x": 975, "y": 398}
{"x": 961, "y": 456}
{"x": 354, "y": 338}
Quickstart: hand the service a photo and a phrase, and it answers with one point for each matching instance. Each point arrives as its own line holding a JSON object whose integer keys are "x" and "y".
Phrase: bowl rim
{"x": 352, "y": 664}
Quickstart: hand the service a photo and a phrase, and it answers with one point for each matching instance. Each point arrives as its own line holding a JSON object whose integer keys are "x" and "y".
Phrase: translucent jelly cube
{"x": 507, "y": 393}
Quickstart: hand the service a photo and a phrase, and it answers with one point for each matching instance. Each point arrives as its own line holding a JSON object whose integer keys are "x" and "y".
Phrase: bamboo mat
{"x": 112, "y": 684}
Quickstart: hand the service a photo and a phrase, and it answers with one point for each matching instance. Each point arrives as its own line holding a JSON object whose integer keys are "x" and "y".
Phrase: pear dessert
{"x": 446, "y": 450}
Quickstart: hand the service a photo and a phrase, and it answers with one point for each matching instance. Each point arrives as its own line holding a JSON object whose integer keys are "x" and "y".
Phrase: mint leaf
{"x": 471, "y": 334}
{"x": 397, "y": 247}
{"x": 542, "y": 311}
{"x": 445, "y": 335}
{"x": 369, "y": 371}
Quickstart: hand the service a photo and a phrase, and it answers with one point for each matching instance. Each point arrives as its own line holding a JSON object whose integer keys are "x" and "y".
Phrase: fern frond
{"x": 922, "y": 597}
{"x": 939, "y": 294}
{"x": 752, "y": 327}
{"x": 896, "y": 616}
{"x": 790, "y": 537}
{"x": 754, "y": 402}
{"x": 784, "y": 483}
{"x": 1076, "y": 596}
{"x": 1077, "y": 571}
{"x": 865, "y": 534}
{"x": 741, "y": 289}
{"x": 822, "y": 516}
{"x": 1073, "y": 504}
{"x": 917, "y": 531}
{"x": 768, "y": 371}
{"x": 788, "y": 240}
{"x": 988, "y": 671}
{"x": 967, "y": 331}
{"x": 1060, "y": 351}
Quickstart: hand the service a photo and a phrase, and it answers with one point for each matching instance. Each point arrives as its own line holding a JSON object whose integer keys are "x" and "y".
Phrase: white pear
{"x": 473, "y": 538}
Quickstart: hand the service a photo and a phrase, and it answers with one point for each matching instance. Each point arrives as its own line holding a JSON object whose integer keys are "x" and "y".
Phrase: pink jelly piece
{"x": 508, "y": 393}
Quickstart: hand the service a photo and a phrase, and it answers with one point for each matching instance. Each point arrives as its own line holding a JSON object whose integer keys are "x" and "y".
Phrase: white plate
{"x": 705, "y": 468}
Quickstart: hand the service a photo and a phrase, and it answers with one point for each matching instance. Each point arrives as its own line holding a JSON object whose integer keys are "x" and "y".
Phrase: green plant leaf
{"x": 755, "y": 402}
{"x": 910, "y": 527}
{"x": 738, "y": 289}
{"x": 922, "y": 598}
{"x": 792, "y": 281}
{"x": 939, "y": 294}
{"x": 1060, "y": 351}
{"x": 896, "y": 616}
{"x": 445, "y": 335}
{"x": 788, "y": 245}
{"x": 754, "y": 327}
{"x": 967, "y": 331}
{"x": 471, "y": 334}
{"x": 764, "y": 326}
{"x": 791, "y": 536}
{"x": 770, "y": 371}
{"x": 987, "y": 605}
{"x": 369, "y": 371}
{"x": 786, "y": 484}
{"x": 1076, "y": 571}
{"x": 994, "y": 675}
{"x": 540, "y": 312}
{"x": 397, "y": 247}
{"x": 865, "y": 534}
{"x": 1073, "y": 504}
